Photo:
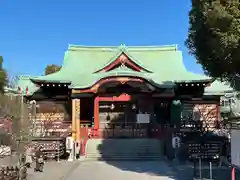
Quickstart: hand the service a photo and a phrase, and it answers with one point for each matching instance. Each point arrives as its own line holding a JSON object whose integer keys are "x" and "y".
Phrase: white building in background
{"x": 230, "y": 104}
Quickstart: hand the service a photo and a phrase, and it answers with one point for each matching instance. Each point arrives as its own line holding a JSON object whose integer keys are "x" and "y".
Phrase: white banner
{"x": 235, "y": 147}
{"x": 69, "y": 143}
{"x": 143, "y": 118}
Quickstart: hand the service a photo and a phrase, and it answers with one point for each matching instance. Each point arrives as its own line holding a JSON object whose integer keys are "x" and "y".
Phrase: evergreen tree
{"x": 52, "y": 69}
{"x": 214, "y": 37}
{"x": 3, "y": 76}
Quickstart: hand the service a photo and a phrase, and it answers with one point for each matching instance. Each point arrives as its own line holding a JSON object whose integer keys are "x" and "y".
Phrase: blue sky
{"x": 34, "y": 33}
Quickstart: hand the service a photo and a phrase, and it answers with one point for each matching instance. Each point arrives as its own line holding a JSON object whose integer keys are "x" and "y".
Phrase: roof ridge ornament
{"x": 122, "y": 47}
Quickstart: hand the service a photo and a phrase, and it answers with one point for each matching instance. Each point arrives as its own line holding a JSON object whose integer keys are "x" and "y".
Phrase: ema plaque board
{"x": 235, "y": 147}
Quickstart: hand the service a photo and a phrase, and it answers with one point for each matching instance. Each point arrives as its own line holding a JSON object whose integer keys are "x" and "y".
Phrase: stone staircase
{"x": 124, "y": 149}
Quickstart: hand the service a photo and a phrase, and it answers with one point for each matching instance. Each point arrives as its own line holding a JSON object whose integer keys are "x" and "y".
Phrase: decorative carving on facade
{"x": 123, "y": 80}
{"x": 77, "y": 109}
{"x": 122, "y": 60}
{"x": 96, "y": 86}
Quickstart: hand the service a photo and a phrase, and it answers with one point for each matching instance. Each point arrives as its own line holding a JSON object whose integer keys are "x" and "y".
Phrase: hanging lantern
{"x": 176, "y": 102}
{"x": 133, "y": 106}
{"x": 112, "y": 107}
{"x": 176, "y": 111}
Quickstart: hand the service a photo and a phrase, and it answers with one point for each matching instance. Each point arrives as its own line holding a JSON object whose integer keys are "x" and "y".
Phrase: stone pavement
{"x": 88, "y": 170}
{"x": 185, "y": 171}
{"x": 8, "y": 160}
{"x": 154, "y": 170}
{"x": 54, "y": 171}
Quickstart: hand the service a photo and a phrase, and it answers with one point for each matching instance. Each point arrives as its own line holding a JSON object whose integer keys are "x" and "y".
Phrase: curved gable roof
{"x": 80, "y": 63}
{"x": 157, "y": 59}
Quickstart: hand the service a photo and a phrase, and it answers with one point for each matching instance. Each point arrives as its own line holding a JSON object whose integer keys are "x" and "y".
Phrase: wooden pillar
{"x": 77, "y": 115}
{"x": 73, "y": 120}
{"x": 96, "y": 115}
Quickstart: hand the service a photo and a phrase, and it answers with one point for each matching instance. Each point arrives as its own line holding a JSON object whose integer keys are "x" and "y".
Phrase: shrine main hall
{"x": 126, "y": 91}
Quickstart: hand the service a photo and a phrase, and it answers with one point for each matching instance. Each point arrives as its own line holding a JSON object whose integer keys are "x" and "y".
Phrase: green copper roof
{"x": 25, "y": 83}
{"x": 218, "y": 88}
{"x": 164, "y": 63}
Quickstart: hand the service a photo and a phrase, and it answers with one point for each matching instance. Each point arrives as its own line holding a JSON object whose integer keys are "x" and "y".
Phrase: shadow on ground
{"x": 168, "y": 169}
{"x": 161, "y": 168}
{"x": 172, "y": 170}
{"x": 154, "y": 168}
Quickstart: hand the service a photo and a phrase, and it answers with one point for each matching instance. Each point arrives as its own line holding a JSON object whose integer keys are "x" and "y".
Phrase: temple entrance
{"x": 117, "y": 114}
{"x": 120, "y": 119}
{"x": 124, "y": 108}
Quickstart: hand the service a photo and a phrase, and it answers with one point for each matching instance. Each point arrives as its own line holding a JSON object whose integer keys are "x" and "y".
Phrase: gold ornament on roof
{"x": 123, "y": 60}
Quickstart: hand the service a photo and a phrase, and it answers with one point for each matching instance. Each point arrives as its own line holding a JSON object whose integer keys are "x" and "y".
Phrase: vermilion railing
{"x": 84, "y": 133}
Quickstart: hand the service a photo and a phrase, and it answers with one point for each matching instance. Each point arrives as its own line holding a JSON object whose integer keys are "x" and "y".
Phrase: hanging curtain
{"x": 176, "y": 110}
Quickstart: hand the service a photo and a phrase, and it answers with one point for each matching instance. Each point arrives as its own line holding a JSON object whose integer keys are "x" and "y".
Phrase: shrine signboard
{"x": 143, "y": 118}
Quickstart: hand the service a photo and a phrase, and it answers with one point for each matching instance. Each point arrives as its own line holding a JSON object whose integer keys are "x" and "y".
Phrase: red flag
{"x": 26, "y": 90}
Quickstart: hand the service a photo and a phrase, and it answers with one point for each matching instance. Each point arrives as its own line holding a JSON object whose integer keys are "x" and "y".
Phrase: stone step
{"x": 124, "y": 157}
{"x": 124, "y": 149}
{"x": 150, "y": 149}
{"x": 123, "y": 146}
{"x": 158, "y": 151}
{"x": 126, "y": 145}
{"x": 119, "y": 142}
{"x": 129, "y": 143}
{"x": 92, "y": 154}
{"x": 124, "y": 154}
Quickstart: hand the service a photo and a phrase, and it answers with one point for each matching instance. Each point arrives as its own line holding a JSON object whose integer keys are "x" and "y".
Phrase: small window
{"x": 222, "y": 102}
{"x": 226, "y": 102}
{"x": 233, "y": 101}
